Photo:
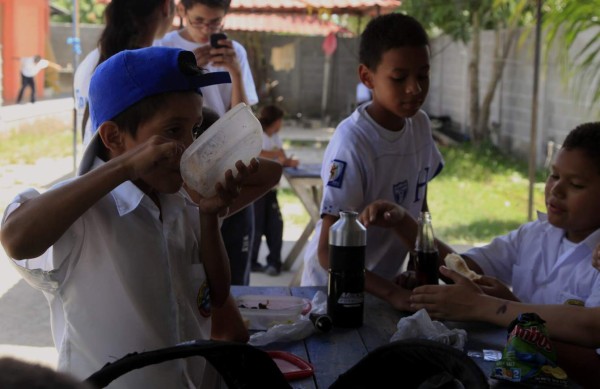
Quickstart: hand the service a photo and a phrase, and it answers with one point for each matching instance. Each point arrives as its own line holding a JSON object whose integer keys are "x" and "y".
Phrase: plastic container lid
{"x": 235, "y": 136}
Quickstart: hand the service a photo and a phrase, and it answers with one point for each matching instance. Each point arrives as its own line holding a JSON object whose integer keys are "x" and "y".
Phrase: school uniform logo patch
{"x": 203, "y": 300}
{"x": 336, "y": 173}
{"x": 400, "y": 190}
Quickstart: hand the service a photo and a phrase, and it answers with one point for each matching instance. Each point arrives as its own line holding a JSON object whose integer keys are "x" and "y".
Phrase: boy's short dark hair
{"x": 17, "y": 374}
{"x": 388, "y": 32}
{"x": 209, "y": 117}
{"x": 221, "y": 4}
{"x": 585, "y": 137}
{"x": 269, "y": 114}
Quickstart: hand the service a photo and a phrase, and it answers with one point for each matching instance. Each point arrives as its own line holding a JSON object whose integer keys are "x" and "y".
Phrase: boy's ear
{"x": 365, "y": 76}
{"x": 112, "y": 137}
{"x": 180, "y": 10}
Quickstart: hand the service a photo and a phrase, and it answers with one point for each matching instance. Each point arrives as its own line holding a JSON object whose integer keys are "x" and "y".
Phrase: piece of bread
{"x": 458, "y": 264}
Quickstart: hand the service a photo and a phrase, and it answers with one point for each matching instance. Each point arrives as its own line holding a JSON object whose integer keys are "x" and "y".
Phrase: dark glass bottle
{"x": 346, "y": 287}
{"x": 426, "y": 253}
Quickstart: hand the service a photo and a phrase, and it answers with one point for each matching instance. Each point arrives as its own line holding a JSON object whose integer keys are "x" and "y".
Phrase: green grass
{"x": 480, "y": 194}
{"x": 27, "y": 144}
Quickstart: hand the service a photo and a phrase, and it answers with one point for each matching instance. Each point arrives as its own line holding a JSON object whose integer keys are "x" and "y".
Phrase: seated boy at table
{"x": 127, "y": 259}
{"x": 385, "y": 149}
{"x": 546, "y": 261}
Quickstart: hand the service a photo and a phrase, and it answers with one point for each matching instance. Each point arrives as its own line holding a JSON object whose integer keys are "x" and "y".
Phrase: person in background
{"x": 203, "y": 18}
{"x": 267, "y": 214}
{"x": 385, "y": 149}
{"x": 129, "y": 24}
{"x": 30, "y": 67}
{"x": 130, "y": 258}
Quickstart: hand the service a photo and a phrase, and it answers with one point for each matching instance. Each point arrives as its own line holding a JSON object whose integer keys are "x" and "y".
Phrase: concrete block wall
{"x": 559, "y": 110}
{"x": 302, "y": 87}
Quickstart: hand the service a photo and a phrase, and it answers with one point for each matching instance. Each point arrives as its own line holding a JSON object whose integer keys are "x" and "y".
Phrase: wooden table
{"x": 306, "y": 183}
{"x": 333, "y": 353}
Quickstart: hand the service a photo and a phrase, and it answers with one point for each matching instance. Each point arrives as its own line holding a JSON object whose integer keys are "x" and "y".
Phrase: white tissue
{"x": 420, "y": 326}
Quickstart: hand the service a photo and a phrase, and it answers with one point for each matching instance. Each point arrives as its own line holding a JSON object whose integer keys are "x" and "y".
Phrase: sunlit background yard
{"x": 479, "y": 194}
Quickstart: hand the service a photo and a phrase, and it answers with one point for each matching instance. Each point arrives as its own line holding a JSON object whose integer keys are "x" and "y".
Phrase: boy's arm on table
{"x": 212, "y": 250}
{"x": 227, "y": 323}
{"x": 215, "y": 259}
{"x": 38, "y": 223}
{"x": 465, "y": 301}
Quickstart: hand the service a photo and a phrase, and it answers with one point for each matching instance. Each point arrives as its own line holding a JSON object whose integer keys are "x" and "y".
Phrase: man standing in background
{"x": 30, "y": 67}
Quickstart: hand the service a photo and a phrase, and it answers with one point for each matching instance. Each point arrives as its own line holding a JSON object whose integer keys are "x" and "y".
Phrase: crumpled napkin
{"x": 420, "y": 326}
{"x": 297, "y": 330}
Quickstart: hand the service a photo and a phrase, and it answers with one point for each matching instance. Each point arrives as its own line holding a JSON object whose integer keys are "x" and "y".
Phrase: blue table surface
{"x": 333, "y": 353}
{"x": 310, "y": 170}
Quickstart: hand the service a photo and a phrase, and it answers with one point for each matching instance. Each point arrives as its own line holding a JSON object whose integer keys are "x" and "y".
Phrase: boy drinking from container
{"x": 385, "y": 149}
{"x": 129, "y": 260}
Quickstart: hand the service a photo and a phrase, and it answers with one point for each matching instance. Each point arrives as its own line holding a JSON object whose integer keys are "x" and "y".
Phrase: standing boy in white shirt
{"x": 385, "y": 149}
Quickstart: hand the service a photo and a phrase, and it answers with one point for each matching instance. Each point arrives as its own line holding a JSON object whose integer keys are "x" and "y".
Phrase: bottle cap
{"x": 321, "y": 321}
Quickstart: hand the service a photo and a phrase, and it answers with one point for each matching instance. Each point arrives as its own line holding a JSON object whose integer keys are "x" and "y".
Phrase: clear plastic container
{"x": 262, "y": 311}
{"x": 236, "y": 136}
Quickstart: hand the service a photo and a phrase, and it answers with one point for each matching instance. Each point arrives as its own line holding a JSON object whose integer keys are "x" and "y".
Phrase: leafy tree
{"x": 574, "y": 28}
{"x": 464, "y": 20}
{"x": 90, "y": 11}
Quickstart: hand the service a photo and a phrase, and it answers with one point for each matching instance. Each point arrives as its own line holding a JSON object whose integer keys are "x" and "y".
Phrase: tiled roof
{"x": 348, "y": 6}
{"x": 297, "y": 24}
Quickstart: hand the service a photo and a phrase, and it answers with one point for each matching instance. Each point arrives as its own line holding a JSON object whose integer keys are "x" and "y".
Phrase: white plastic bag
{"x": 300, "y": 329}
{"x": 420, "y": 326}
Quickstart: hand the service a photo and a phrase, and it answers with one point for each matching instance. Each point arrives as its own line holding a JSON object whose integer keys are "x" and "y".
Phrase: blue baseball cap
{"x": 132, "y": 75}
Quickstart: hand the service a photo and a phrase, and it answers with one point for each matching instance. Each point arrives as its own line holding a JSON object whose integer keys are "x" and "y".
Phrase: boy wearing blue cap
{"x": 129, "y": 260}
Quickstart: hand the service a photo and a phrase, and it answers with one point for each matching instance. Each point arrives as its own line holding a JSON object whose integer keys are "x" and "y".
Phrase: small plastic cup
{"x": 235, "y": 136}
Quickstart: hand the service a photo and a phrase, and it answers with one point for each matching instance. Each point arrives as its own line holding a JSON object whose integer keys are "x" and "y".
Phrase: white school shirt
{"x": 81, "y": 89}
{"x": 30, "y": 69}
{"x": 120, "y": 281}
{"x": 529, "y": 260}
{"x": 216, "y": 97}
{"x": 364, "y": 162}
{"x": 271, "y": 143}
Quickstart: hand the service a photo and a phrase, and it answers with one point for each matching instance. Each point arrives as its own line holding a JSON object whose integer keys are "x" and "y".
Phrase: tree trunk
{"x": 500, "y": 55}
{"x": 474, "y": 78}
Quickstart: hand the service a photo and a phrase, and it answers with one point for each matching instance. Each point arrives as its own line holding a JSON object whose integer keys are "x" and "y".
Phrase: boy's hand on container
{"x": 228, "y": 191}
{"x": 407, "y": 280}
{"x": 156, "y": 153}
{"x": 382, "y": 213}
